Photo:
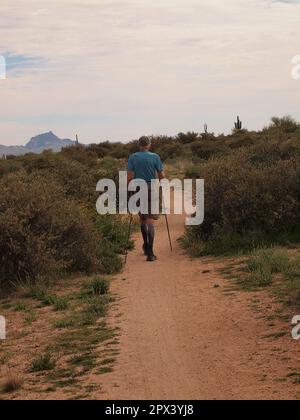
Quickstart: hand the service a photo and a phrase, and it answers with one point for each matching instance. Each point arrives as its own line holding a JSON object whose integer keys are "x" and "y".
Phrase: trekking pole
{"x": 128, "y": 238}
{"x": 167, "y": 223}
{"x": 168, "y": 229}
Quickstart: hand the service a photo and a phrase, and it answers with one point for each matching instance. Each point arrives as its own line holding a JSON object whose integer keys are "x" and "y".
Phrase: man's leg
{"x": 151, "y": 235}
{"x": 144, "y": 230}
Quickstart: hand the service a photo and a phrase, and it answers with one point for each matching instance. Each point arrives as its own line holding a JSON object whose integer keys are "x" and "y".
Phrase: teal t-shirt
{"x": 145, "y": 165}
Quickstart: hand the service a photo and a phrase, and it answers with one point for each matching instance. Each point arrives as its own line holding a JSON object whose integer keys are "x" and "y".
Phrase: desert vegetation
{"x": 61, "y": 337}
{"x": 49, "y": 225}
{"x": 57, "y": 254}
{"x": 251, "y": 191}
{"x": 48, "y": 222}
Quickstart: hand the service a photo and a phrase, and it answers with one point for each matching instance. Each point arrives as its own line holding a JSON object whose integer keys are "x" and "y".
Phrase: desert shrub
{"x": 109, "y": 167}
{"x": 269, "y": 152}
{"x": 286, "y": 124}
{"x": 43, "y": 363}
{"x": 114, "y": 242}
{"x": 193, "y": 171}
{"x": 119, "y": 151}
{"x": 186, "y": 138}
{"x": 8, "y": 166}
{"x": 204, "y": 149}
{"x": 59, "y": 303}
{"x": 241, "y": 139}
{"x": 95, "y": 308}
{"x": 42, "y": 233}
{"x": 114, "y": 233}
{"x": 48, "y": 221}
{"x": 247, "y": 202}
{"x": 77, "y": 181}
{"x": 106, "y": 149}
{"x": 132, "y": 147}
{"x": 81, "y": 154}
{"x": 170, "y": 151}
{"x": 100, "y": 286}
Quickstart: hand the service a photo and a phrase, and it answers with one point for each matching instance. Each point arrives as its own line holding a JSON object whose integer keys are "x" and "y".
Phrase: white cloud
{"x": 119, "y": 69}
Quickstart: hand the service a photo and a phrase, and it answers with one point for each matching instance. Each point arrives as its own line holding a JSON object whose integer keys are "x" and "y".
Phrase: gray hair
{"x": 144, "y": 141}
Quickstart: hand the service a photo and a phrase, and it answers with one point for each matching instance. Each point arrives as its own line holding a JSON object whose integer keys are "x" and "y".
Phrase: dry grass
{"x": 55, "y": 352}
{"x": 11, "y": 384}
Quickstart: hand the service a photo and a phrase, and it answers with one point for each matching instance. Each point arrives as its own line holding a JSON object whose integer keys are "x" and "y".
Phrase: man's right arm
{"x": 130, "y": 176}
{"x": 130, "y": 170}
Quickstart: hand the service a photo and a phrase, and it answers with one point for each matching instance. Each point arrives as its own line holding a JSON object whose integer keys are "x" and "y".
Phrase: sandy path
{"x": 182, "y": 338}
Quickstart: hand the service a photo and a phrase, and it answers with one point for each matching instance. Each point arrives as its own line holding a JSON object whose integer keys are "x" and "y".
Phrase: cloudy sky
{"x": 117, "y": 69}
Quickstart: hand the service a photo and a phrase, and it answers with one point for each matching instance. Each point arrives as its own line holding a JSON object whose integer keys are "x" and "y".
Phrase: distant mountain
{"x": 38, "y": 144}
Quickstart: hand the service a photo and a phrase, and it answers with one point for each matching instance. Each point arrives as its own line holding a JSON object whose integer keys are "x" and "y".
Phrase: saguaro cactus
{"x": 238, "y": 124}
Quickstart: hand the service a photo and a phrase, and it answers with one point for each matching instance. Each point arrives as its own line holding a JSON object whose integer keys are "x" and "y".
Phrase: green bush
{"x": 100, "y": 286}
{"x": 75, "y": 179}
{"x": 81, "y": 154}
{"x": 42, "y": 233}
{"x": 251, "y": 198}
{"x": 43, "y": 363}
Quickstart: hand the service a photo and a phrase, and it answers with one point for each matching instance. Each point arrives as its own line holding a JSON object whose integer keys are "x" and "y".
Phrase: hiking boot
{"x": 151, "y": 258}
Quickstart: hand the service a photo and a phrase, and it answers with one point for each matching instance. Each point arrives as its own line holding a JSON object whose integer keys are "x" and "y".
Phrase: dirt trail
{"x": 183, "y": 338}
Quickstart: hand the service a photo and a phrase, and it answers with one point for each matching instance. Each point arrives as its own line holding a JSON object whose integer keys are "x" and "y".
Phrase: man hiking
{"x": 146, "y": 166}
